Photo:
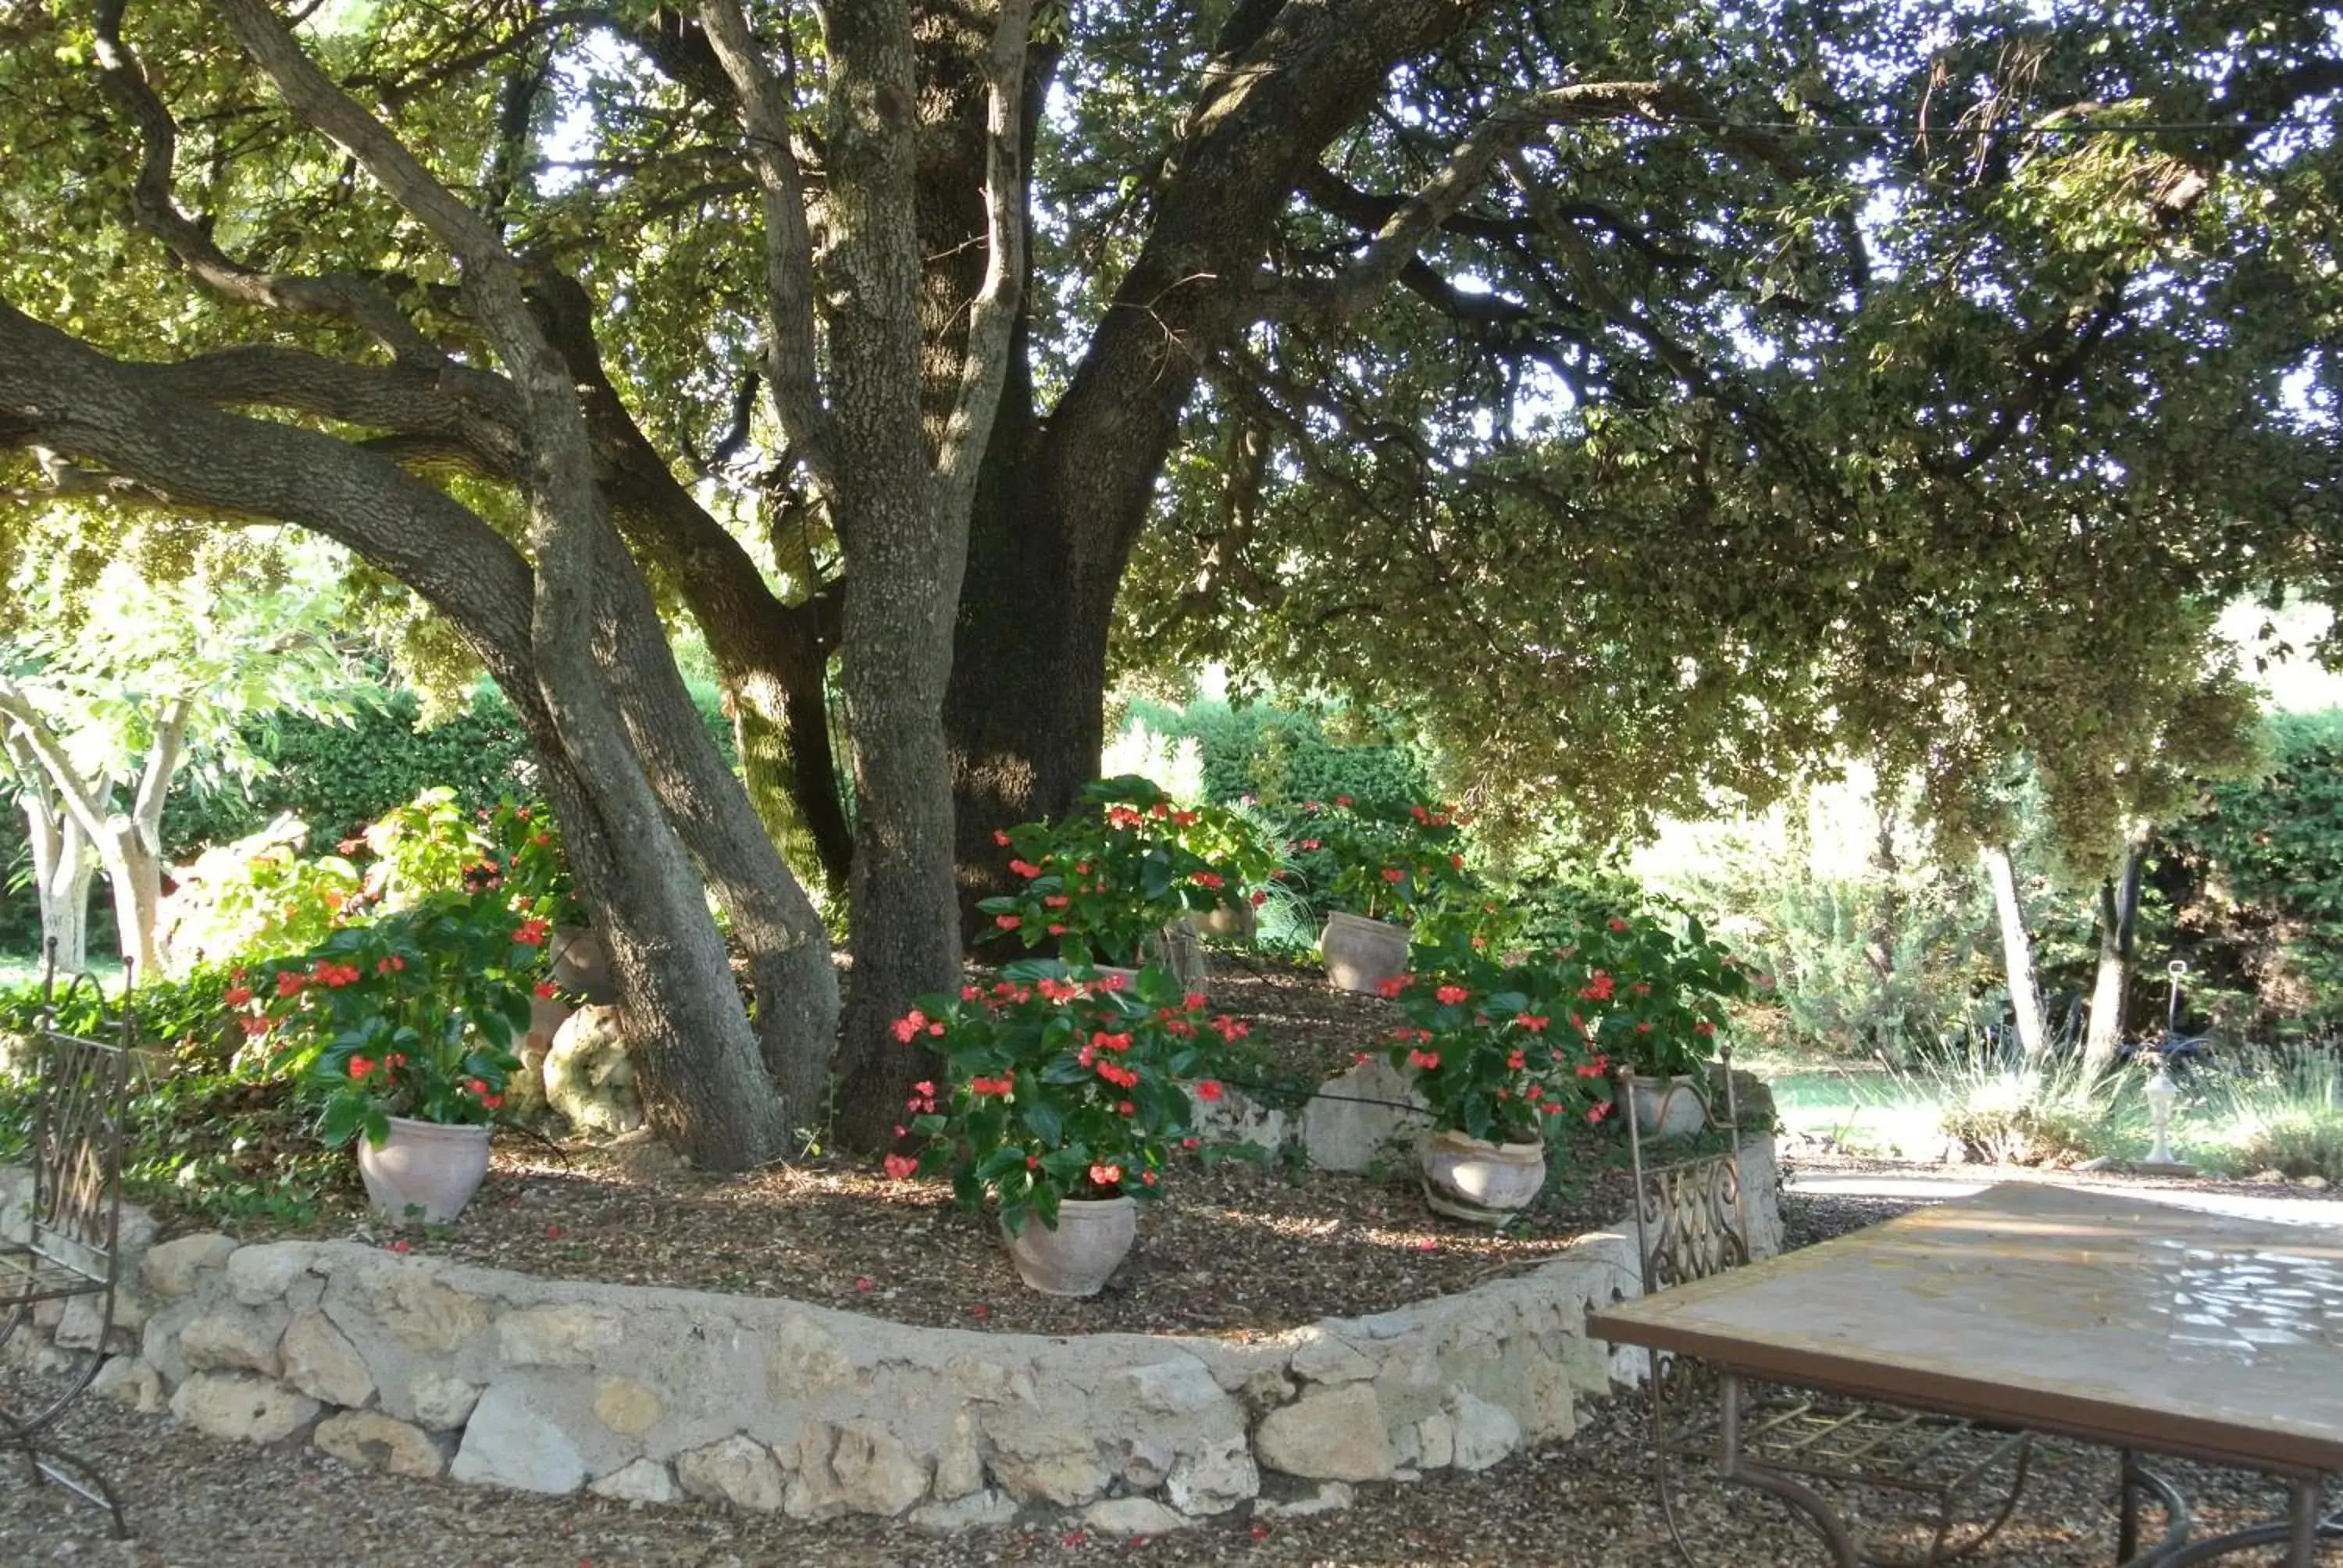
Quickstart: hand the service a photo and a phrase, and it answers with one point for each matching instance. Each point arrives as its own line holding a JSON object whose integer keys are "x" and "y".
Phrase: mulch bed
{"x": 1230, "y": 1249}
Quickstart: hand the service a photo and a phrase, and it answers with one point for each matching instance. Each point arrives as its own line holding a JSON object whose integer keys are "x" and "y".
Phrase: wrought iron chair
{"x": 60, "y": 1247}
{"x": 1692, "y": 1223}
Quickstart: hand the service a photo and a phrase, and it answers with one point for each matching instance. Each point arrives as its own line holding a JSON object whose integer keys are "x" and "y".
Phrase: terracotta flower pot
{"x": 1487, "y": 1183}
{"x": 1362, "y": 953}
{"x": 576, "y": 963}
{"x": 1092, "y": 1238}
{"x": 424, "y": 1168}
{"x": 1665, "y": 1107}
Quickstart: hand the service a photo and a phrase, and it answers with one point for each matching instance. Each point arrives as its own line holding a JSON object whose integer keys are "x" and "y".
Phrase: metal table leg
{"x": 1799, "y": 1496}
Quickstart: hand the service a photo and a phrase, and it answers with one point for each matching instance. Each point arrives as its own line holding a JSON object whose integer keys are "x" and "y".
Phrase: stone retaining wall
{"x": 422, "y": 1367}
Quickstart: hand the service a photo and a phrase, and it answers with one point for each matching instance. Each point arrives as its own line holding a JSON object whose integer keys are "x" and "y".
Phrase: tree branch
{"x": 32, "y": 733}
{"x": 153, "y": 208}
{"x": 1420, "y": 215}
{"x": 789, "y": 354}
{"x": 993, "y": 315}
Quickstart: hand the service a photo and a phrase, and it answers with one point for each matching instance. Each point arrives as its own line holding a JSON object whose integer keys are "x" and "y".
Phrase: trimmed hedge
{"x": 1284, "y": 758}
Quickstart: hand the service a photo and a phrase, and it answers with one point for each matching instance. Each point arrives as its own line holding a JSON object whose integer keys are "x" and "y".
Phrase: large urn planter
{"x": 1092, "y": 1238}
{"x": 1361, "y": 953}
{"x": 1225, "y": 922}
{"x": 424, "y": 1170}
{"x": 1472, "y": 1179}
{"x": 576, "y": 963}
{"x": 1664, "y": 1107}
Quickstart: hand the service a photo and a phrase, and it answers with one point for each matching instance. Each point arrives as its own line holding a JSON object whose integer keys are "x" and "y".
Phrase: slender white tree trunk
{"x": 2017, "y": 951}
{"x": 2119, "y": 918}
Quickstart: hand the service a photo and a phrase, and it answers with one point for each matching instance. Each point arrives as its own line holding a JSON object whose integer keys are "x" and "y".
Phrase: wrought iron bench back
{"x": 1691, "y": 1220}
{"x": 80, "y": 1086}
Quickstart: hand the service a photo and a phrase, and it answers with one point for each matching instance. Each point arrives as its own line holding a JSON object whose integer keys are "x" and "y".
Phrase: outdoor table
{"x": 2137, "y": 1325}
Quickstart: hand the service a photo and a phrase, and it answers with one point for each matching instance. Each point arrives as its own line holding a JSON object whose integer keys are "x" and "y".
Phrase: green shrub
{"x": 1284, "y": 758}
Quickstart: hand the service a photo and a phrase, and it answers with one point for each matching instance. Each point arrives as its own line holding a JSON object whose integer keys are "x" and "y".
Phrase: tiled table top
{"x": 2114, "y": 1319}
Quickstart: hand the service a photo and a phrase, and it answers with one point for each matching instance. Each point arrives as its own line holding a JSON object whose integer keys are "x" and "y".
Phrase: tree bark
{"x": 2017, "y": 952}
{"x": 2118, "y": 923}
{"x": 63, "y": 863}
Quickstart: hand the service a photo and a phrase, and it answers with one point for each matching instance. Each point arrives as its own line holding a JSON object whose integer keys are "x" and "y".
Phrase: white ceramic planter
{"x": 1471, "y": 1179}
{"x": 424, "y": 1170}
{"x": 1362, "y": 953}
{"x": 1092, "y": 1238}
{"x": 1667, "y": 1106}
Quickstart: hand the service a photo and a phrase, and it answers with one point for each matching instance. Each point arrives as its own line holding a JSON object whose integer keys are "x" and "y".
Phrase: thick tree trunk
{"x": 2017, "y": 951}
{"x": 2119, "y": 924}
{"x": 905, "y": 556}
{"x": 1062, "y": 506}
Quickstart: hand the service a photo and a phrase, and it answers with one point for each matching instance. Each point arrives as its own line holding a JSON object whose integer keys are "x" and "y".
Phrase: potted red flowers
{"x": 1066, "y": 1091}
{"x": 1501, "y": 1053}
{"x": 407, "y": 1025}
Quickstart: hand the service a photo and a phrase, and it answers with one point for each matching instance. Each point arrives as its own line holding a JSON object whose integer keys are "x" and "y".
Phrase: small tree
{"x": 112, "y": 685}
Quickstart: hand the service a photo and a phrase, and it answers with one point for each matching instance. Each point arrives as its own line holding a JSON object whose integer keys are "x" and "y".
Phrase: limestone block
{"x": 1214, "y": 1477}
{"x": 1486, "y": 1432}
{"x": 1067, "y": 1472}
{"x": 806, "y": 1359}
{"x": 129, "y": 1382}
{"x": 1178, "y": 1387}
{"x": 441, "y": 1403}
{"x": 1325, "y": 1497}
{"x": 1133, "y": 1516}
{"x": 262, "y": 1274}
{"x": 626, "y": 1406}
{"x": 175, "y": 1266}
{"x": 423, "y": 1314}
{"x": 960, "y": 1463}
{"x": 1328, "y": 1435}
{"x": 229, "y": 1337}
{"x": 1147, "y": 1462}
{"x": 641, "y": 1481}
{"x": 1323, "y": 1357}
{"x": 509, "y": 1443}
{"x": 566, "y": 1335}
{"x": 737, "y": 1469}
{"x": 241, "y": 1407}
{"x": 971, "y": 1511}
{"x": 84, "y": 1322}
{"x": 1236, "y": 1117}
{"x": 1342, "y": 1133}
{"x": 323, "y": 1365}
{"x": 875, "y": 1472}
{"x": 1436, "y": 1441}
{"x": 587, "y": 1075}
{"x": 369, "y": 1440}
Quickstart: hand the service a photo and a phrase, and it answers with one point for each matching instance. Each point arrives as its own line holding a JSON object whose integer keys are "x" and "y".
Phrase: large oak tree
{"x": 1705, "y": 402}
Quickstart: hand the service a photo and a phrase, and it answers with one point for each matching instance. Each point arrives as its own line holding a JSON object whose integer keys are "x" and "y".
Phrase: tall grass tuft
{"x": 2277, "y": 1109}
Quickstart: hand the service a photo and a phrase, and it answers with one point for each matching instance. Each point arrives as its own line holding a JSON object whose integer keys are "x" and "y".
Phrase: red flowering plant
{"x": 1103, "y": 881}
{"x": 1398, "y": 863}
{"x": 1501, "y": 1051}
{"x": 1662, "y": 988}
{"x": 1059, "y": 1083}
{"x": 412, "y": 1014}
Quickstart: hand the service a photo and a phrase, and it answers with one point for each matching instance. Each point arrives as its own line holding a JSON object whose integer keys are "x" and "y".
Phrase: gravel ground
{"x": 1579, "y": 1503}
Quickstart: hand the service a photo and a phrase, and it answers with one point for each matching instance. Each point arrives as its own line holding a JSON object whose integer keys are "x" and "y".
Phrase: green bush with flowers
{"x": 1665, "y": 989}
{"x": 1501, "y": 1051}
{"x": 1404, "y": 864}
{"x": 1059, "y": 1083}
{"x": 413, "y": 1014}
{"x": 1103, "y": 881}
